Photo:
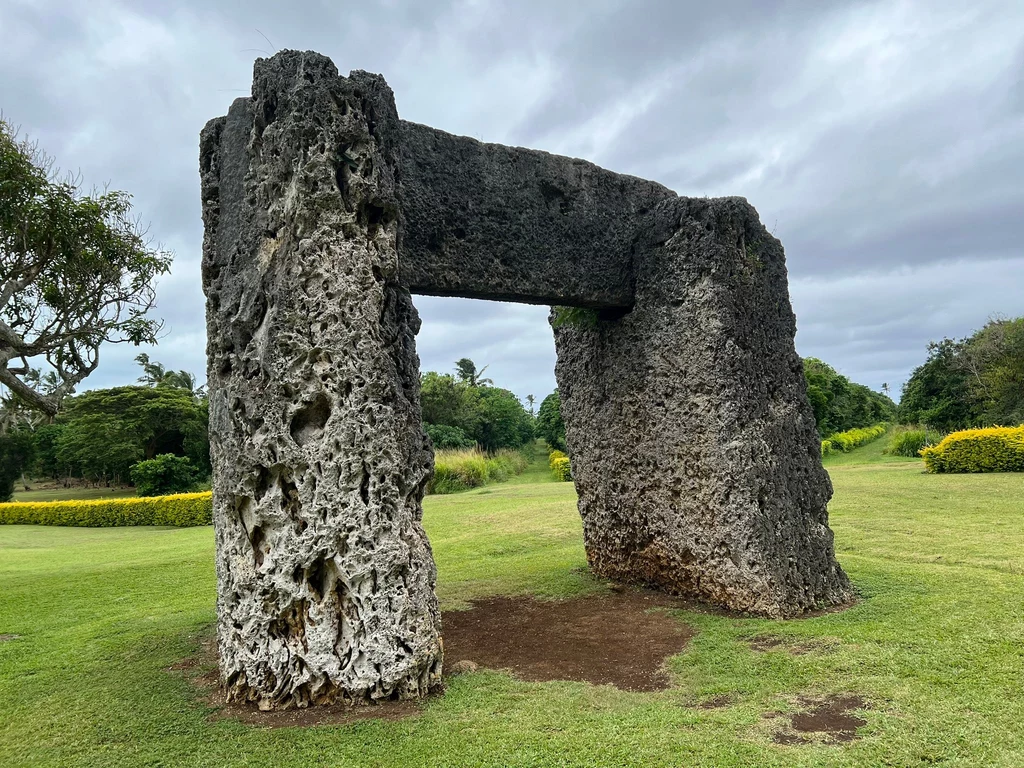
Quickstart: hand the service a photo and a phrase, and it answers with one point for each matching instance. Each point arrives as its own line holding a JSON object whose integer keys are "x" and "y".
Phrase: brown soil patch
{"x": 829, "y": 715}
{"x": 615, "y": 639}
{"x": 716, "y": 702}
{"x": 764, "y": 643}
{"x": 8, "y": 638}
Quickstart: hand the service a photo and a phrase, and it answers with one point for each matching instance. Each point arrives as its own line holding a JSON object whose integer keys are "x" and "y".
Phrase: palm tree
{"x": 153, "y": 373}
{"x": 466, "y": 371}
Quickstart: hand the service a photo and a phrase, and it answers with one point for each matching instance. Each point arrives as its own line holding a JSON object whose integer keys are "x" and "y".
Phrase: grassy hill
{"x": 935, "y": 647}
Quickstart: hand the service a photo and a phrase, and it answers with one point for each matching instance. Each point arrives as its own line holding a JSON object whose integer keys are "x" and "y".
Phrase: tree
{"x": 994, "y": 362}
{"x": 155, "y": 374}
{"x": 16, "y": 455}
{"x": 937, "y": 392}
{"x": 449, "y": 402}
{"x": 465, "y": 370}
{"x": 978, "y": 380}
{"x": 106, "y": 431}
{"x": 75, "y": 271}
{"x": 163, "y": 475}
{"x": 840, "y": 404}
{"x": 550, "y": 426}
{"x": 503, "y": 422}
{"x": 531, "y": 399}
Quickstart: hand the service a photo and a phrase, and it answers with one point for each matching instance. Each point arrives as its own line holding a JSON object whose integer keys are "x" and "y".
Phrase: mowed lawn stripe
{"x": 935, "y": 646}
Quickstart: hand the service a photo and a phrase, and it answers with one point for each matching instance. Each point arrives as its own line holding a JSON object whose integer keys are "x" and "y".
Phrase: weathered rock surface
{"x": 693, "y": 446}
{"x": 496, "y": 222}
{"x": 325, "y": 576}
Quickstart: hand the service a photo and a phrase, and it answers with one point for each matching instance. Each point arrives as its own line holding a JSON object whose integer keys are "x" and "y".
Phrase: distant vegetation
{"x": 470, "y": 468}
{"x": 976, "y": 381}
{"x": 466, "y": 410}
{"x": 840, "y": 404}
{"x": 152, "y": 434}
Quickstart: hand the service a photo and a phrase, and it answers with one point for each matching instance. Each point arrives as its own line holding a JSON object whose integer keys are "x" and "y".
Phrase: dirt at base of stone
{"x": 616, "y": 639}
{"x": 824, "y": 716}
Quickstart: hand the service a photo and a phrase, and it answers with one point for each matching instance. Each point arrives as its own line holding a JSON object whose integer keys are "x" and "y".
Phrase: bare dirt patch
{"x": 716, "y": 702}
{"x": 763, "y": 643}
{"x": 829, "y": 717}
{"x": 615, "y": 639}
{"x": 8, "y": 638}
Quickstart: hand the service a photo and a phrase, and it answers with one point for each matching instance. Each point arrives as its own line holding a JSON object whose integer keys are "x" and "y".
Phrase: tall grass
{"x": 461, "y": 469}
{"x": 910, "y": 440}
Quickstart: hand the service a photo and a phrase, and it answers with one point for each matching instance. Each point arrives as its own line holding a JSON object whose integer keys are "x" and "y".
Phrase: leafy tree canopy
{"x": 976, "y": 381}
{"x": 550, "y": 426}
{"x": 840, "y": 404}
{"x": 75, "y": 271}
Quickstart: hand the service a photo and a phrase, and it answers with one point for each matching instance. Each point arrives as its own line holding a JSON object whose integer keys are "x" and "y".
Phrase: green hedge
{"x": 559, "y": 464}
{"x": 181, "y": 510}
{"x": 843, "y": 442}
{"x": 996, "y": 449}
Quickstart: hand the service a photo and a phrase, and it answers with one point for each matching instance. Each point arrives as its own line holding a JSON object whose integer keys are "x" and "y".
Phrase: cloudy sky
{"x": 882, "y": 142}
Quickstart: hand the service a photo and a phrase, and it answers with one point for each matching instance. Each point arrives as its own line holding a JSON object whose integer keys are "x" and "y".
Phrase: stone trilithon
{"x": 693, "y": 446}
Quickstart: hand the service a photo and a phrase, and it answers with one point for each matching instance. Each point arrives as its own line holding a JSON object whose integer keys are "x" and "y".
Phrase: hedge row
{"x": 842, "y": 442}
{"x": 559, "y": 464}
{"x": 459, "y": 470}
{"x": 996, "y": 449}
{"x": 181, "y": 510}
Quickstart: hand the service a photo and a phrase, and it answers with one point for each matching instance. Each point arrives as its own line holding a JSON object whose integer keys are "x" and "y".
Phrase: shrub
{"x": 910, "y": 441}
{"x": 996, "y": 449}
{"x": 851, "y": 438}
{"x": 559, "y": 464}
{"x": 446, "y": 437}
{"x": 460, "y": 470}
{"x": 163, "y": 475}
{"x": 182, "y": 510}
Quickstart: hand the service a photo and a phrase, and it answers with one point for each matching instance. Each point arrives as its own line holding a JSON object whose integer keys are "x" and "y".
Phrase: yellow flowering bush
{"x": 181, "y": 510}
{"x": 559, "y": 464}
{"x": 994, "y": 449}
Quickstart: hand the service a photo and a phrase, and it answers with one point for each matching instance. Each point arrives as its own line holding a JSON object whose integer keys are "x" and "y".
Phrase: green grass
{"x": 67, "y": 494}
{"x": 936, "y": 644}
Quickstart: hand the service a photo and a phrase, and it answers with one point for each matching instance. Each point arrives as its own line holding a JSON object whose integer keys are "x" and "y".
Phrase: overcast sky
{"x": 882, "y": 142}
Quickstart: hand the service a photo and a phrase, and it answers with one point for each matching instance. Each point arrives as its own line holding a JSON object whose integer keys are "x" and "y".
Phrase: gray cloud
{"x": 883, "y": 143}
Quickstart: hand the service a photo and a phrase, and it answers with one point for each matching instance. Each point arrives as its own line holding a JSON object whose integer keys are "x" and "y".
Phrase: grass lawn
{"x": 67, "y": 494}
{"x": 936, "y": 644}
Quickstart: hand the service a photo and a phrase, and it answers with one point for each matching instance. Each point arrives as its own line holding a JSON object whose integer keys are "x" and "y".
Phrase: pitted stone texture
{"x": 692, "y": 443}
{"x": 496, "y": 222}
{"x": 325, "y": 576}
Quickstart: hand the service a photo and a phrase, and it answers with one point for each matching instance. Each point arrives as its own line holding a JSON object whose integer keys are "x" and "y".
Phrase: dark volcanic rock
{"x": 495, "y": 222}
{"x": 693, "y": 445}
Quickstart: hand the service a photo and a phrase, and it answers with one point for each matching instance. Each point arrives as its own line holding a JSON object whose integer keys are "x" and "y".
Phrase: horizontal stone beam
{"x": 494, "y": 222}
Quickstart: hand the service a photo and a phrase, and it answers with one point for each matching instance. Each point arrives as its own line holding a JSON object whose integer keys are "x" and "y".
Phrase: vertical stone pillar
{"x": 693, "y": 445}
{"x": 325, "y": 576}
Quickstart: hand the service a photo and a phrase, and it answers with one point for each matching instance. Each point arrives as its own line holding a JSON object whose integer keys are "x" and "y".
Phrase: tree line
{"x": 103, "y": 436}
{"x": 975, "y": 381}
